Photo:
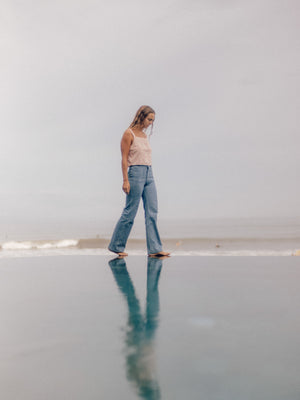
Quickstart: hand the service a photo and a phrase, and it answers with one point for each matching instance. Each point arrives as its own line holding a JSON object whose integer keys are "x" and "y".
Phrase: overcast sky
{"x": 223, "y": 77}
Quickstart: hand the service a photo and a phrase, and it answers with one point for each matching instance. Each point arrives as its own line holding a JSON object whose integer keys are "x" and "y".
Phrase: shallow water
{"x": 186, "y": 327}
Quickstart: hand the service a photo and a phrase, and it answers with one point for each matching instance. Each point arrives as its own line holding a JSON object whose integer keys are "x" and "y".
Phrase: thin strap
{"x": 132, "y": 132}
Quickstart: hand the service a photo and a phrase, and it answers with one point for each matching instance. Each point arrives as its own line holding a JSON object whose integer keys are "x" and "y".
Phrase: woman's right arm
{"x": 125, "y": 146}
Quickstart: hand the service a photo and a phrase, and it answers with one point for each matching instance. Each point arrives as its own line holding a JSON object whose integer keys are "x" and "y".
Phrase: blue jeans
{"x": 142, "y": 185}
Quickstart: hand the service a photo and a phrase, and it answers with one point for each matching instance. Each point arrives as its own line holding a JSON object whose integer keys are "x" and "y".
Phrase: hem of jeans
{"x": 154, "y": 252}
{"x": 115, "y": 251}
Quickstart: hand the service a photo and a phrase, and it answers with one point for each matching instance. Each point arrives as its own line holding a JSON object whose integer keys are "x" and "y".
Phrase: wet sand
{"x": 218, "y": 328}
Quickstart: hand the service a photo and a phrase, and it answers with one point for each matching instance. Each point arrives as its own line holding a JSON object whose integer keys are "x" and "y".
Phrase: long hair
{"x": 140, "y": 115}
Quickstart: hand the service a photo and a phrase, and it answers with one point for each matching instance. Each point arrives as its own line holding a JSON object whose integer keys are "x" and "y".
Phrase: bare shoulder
{"x": 128, "y": 132}
{"x": 127, "y": 136}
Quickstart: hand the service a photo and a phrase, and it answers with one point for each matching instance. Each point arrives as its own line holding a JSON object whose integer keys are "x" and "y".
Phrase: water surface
{"x": 90, "y": 327}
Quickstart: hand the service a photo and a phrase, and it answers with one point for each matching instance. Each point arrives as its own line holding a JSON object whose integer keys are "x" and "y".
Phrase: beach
{"x": 91, "y": 326}
{"x": 199, "y": 237}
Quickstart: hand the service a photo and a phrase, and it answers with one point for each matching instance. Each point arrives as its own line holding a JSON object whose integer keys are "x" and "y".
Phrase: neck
{"x": 140, "y": 128}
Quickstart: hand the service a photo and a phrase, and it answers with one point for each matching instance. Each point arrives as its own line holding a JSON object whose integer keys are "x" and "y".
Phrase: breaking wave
{"x": 40, "y": 245}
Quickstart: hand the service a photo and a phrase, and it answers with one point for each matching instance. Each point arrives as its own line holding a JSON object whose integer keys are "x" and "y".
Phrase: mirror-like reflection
{"x": 140, "y": 330}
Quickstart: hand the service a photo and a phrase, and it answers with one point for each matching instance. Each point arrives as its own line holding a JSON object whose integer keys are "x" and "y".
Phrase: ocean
{"x": 198, "y": 237}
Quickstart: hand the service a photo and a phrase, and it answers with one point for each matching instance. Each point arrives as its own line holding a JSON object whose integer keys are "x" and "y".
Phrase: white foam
{"x": 30, "y": 245}
{"x": 50, "y": 252}
{"x": 60, "y": 244}
{"x": 16, "y": 246}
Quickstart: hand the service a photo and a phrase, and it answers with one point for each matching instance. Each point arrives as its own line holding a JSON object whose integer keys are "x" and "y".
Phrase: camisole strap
{"x": 132, "y": 132}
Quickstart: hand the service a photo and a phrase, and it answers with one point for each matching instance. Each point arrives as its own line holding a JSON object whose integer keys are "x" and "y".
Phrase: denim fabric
{"x": 142, "y": 185}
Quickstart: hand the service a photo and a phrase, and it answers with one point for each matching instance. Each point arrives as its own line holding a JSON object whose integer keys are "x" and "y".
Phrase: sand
{"x": 82, "y": 327}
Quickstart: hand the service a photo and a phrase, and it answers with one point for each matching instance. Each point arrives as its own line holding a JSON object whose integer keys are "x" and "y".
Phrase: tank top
{"x": 140, "y": 151}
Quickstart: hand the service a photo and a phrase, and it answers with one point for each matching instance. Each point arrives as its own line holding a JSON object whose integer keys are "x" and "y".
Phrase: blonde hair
{"x": 140, "y": 115}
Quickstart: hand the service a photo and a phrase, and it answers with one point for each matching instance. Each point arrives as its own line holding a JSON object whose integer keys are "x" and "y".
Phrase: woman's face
{"x": 149, "y": 120}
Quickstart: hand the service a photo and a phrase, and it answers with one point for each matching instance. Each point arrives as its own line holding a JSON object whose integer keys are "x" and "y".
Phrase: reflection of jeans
{"x": 141, "y": 328}
{"x": 141, "y": 185}
{"x": 140, "y": 332}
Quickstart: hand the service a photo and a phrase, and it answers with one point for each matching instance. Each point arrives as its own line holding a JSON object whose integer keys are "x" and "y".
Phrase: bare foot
{"x": 121, "y": 255}
{"x": 160, "y": 254}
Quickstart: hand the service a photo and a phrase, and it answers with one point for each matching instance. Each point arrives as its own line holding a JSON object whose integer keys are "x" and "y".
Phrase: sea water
{"x": 211, "y": 328}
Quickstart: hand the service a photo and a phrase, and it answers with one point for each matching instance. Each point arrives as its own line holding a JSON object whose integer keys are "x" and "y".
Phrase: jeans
{"x": 142, "y": 185}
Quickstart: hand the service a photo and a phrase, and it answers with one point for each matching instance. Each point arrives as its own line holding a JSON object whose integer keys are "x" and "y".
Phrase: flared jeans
{"x": 142, "y": 185}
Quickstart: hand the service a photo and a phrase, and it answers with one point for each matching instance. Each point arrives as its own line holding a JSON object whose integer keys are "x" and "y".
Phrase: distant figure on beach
{"x": 138, "y": 182}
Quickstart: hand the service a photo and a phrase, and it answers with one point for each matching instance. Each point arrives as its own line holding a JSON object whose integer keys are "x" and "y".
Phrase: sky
{"x": 222, "y": 76}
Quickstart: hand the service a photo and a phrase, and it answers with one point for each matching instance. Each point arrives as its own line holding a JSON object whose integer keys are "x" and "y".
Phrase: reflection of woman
{"x": 140, "y": 355}
{"x": 138, "y": 182}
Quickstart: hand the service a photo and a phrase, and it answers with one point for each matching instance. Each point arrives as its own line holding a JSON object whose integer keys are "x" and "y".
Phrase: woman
{"x": 138, "y": 183}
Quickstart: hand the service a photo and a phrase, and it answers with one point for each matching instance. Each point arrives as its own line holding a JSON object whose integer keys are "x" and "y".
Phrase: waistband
{"x": 141, "y": 166}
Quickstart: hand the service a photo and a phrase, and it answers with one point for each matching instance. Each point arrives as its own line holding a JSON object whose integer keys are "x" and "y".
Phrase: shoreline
{"x": 137, "y": 247}
{"x": 34, "y": 253}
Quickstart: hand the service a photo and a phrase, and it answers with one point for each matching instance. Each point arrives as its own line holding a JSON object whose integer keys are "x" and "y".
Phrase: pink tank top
{"x": 140, "y": 151}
